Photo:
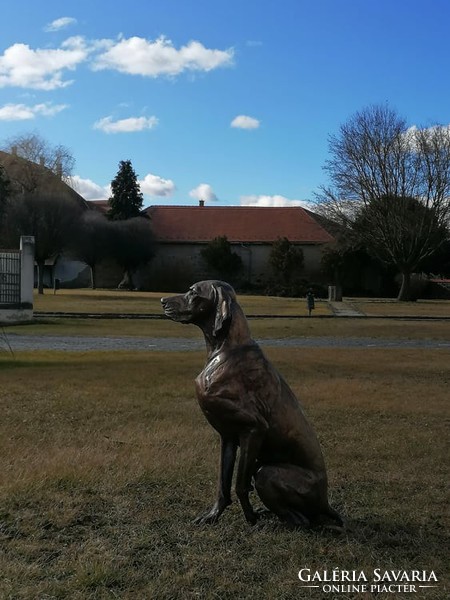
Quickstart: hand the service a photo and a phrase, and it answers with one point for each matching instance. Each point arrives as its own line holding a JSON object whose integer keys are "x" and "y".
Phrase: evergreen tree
{"x": 126, "y": 199}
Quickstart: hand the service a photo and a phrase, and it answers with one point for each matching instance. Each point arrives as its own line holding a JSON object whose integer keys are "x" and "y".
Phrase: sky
{"x": 228, "y": 101}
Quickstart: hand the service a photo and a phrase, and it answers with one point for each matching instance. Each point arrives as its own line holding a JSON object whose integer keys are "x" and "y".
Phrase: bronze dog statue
{"x": 252, "y": 407}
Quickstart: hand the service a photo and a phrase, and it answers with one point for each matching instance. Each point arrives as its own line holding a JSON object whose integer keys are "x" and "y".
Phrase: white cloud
{"x": 153, "y": 185}
{"x": 203, "y": 192}
{"x": 412, "y": 135}
{"x": 22, "y": 112}
{"x": 245, "y": 122}
{"x": 88, "y": 189}
{"x": 60, "y": 23}
{"x": 41, "y": 69}
{"x": 44, "y": 68}
{"x": 129, "y": 125}
{"x": 275, "y": 200}
{"x": 152, "y": 58}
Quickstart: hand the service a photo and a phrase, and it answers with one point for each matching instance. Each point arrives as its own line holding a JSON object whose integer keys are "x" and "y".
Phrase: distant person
{"x": 310, "y": 301}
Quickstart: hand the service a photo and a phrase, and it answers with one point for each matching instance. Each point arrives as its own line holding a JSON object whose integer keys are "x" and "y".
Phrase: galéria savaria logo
{"x": 379, "y": 581}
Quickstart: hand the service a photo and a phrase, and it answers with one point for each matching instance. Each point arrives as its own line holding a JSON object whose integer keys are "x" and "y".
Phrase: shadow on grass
{"x": 388, "y": 535}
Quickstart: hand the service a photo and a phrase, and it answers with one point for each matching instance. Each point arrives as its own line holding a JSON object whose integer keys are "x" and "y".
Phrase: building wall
{"x": 184, "y": 264}
{"x": 71, "y": 273}
{"x": 176, "y": 266}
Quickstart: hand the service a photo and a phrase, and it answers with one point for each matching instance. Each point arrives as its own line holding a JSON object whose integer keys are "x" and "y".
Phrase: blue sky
{"x": 229, "y": 101}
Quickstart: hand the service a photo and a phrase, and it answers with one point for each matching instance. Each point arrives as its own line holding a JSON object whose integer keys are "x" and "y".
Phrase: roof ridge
{"x": 227, "y": 207}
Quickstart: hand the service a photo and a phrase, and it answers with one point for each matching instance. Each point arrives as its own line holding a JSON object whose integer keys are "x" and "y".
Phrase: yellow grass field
{"x": 133, "y": 303}
{"x": 261, "y": 328}
{"x": 116, "y": 301}
{"x": 386, "y": 308}
{"x": 105, "y": 460}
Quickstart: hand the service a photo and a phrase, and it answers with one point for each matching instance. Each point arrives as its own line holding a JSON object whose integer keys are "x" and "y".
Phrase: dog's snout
{"x": 166, "y": 302}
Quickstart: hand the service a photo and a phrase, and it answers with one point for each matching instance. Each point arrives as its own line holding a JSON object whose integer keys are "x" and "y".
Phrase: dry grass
{"x": 342, "y": 328}
{"x": 391, "y": 308}
{"x": 261, "y": 328}
{"x": 97, "y": 301}
{"x": 115, "y": 301}
{"x": 105, "y": 328}
{"x": 105, "y": 459}
{"x": 108, "y": 301}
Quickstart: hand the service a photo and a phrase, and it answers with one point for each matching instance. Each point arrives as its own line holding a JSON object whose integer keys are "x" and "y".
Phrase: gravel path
{"x": 18, "y": 342}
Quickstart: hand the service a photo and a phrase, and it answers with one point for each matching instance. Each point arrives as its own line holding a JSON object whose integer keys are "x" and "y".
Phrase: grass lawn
{"x": 115, "y": 301}
{"x": 261, "y": 328}
{"x": 105, "y": 460}
{"x": 391, "y": 308}
{"x": 107, "y": 302}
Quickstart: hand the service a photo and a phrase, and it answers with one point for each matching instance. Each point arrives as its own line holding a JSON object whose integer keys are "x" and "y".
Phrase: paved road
{"x": 18, "y": 342}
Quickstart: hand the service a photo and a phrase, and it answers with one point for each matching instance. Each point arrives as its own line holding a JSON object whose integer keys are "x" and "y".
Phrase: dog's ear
{"x": 223, "y": 309}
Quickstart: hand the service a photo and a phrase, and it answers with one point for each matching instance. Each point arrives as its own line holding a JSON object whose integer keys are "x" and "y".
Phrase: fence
{"x": 16, "y": 283}
{"x": 9, "y": 277}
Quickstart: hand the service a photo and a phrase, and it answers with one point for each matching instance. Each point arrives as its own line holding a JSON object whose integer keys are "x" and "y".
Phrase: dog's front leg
{"x": 227, "y": 460}
{"x": 250, "y": 444}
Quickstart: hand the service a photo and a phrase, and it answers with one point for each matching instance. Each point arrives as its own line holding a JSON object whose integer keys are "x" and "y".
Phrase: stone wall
{"x": 183, "y": 264}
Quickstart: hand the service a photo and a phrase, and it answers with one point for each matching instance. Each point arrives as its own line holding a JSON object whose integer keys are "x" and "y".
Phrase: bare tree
{"x": 5, "y": 192}
{"x": 31, "y": 149}
{"x": 401, "y": 231}
{"x": 49, "y": 218}
{"x": 384, "y": 171}
{"x": 92, "y": 241}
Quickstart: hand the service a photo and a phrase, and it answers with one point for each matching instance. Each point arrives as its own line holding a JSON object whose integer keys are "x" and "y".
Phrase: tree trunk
{"x": 93, "y": 278}
{"x": 127, "y": 281}
{"x": 40, "y": 269}
{"x": 405, "y": 290}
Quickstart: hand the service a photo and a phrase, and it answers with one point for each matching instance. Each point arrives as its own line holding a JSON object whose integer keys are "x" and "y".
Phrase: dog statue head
{"x": 205, "y": 304}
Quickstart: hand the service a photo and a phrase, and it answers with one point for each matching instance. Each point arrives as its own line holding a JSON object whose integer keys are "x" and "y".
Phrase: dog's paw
{"x": 252, "y": 517}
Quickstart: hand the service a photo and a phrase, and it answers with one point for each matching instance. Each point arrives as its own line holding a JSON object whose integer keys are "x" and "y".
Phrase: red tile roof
{"x": 237, "y": 223}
